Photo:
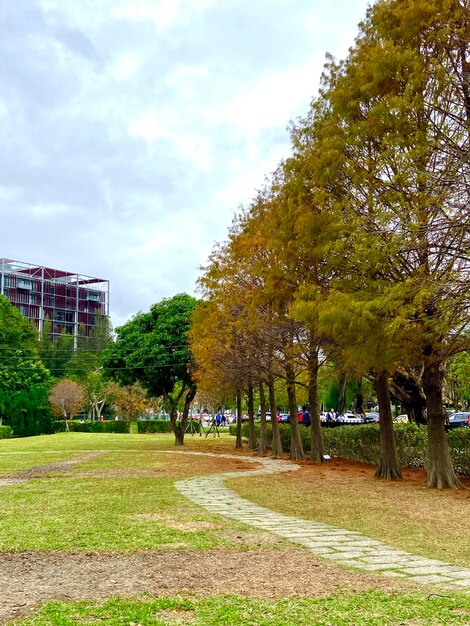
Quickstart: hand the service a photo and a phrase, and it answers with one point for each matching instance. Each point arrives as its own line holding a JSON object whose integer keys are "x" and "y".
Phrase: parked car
{"x": 268, "y": 416}
{"x": 371, "y": 418}
{"x": 284, "y": 418}
{"x": 350, "y": 418}
{"x": 401, "y": 419}
{"x": 459, "y": 419}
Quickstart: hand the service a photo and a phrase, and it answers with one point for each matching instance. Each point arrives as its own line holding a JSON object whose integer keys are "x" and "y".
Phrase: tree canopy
{"x": 153, "y": 349}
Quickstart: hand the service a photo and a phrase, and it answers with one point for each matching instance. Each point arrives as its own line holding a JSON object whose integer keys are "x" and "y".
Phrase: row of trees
{"x": 356, "y": 252}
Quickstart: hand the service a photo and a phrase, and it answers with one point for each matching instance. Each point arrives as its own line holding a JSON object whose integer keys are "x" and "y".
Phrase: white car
{"x": 350, "y": 418}
{"x": 401, "y": 419}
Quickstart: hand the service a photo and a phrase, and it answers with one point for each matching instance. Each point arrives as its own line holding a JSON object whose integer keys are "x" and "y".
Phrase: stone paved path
{"x": 344, "y": 547}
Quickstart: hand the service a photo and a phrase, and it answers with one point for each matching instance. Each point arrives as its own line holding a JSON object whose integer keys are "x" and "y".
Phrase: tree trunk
{"x": 263, "y": 444}
{"x": 130, "y": 426}
{"x": 316, "y": 435}
{"x": 252, "y": 443}
{"x": 389, "y": 466}
{"x": 238, "y": 440}
{"x": 359, "y": 402}
{"x": 276, "y": 445}
{"x": 187, "y": 404}
{"x": 296, "y": 449}
{"x": 406, "y": 386}
{"x": 67, "y": 429}
{"x": 440, "y": 469}
{"x": 342, "y": 395}
{"x": 176, "y": 426}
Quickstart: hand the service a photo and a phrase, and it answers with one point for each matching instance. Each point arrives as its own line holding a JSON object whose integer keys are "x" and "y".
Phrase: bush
{"x": 459, "y": 441}
{"x": 362, "y": 443}
{"x": 108, "y": 426}
{"x": 154, "y": 426}
{"x": 6, "y": 432}
{"x": 27, "y": 412}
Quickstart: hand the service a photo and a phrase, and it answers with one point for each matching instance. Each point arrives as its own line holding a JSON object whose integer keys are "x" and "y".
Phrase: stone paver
{"x": 347, "y": 548}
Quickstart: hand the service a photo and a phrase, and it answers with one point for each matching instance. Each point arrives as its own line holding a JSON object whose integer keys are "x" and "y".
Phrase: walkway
{"x": 344, "y": 547}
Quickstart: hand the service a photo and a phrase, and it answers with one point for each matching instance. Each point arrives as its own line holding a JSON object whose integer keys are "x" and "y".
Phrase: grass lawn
{"x": 364, "y": 608}
{"x": 119, "y": 498}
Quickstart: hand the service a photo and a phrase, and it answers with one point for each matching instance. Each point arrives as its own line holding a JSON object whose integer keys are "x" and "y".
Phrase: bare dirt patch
{"x": 29, "y": 578}
{"x": 190, "y": 525}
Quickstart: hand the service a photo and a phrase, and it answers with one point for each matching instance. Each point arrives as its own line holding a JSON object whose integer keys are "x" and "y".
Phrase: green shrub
{"x": 108, "y": 426}
{"x": 362, "y": 443}
{"x": 459, "y": 442}
{"x": 154, "y": 426}
{"x": 6, "y": 432}
{"x": 27, "y": 412}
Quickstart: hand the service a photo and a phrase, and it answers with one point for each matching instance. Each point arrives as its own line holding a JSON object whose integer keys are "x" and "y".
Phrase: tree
{"x": 87, "y": 357}
{"x": 55, "y": 353}
{"x": 153, "y": 349}
{"x": 96, "y": 391}
{"x": 67, "y": 399}
{"x": 394, "y": 145}
{"x": 23, "y": 377}
{"x": 130, "y": 401}
{"x": 458, "y": 380}
{"x": 219, "y": 349}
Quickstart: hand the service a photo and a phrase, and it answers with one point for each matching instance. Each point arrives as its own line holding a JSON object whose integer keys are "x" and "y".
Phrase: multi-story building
{"x": 72, "y": 302}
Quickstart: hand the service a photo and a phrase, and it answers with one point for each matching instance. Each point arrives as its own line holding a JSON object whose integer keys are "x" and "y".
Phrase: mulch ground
{"x": 30, "y": 578}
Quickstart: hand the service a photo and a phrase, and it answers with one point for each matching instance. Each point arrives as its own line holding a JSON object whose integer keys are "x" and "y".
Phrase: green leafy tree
{"x": 87, "y": 357}
{"x": 55, "y": 354}
{"x": 23, "y": 378}
{"x": 394, "y": 145}
{"x": 153, "y": 349}
{"x": 458, "y": 380}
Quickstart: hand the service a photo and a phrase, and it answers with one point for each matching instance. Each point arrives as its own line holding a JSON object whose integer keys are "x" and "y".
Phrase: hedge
{"x": 362, "y": 443}
{"x": 6, "y": 432}
{"x": 161, "y": 426}
{"x": 154, "y": 426}
{"x": 108, "y": 426}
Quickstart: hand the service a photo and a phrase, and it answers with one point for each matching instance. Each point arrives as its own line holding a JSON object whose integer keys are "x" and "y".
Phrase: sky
{"x": 133, "y": 130}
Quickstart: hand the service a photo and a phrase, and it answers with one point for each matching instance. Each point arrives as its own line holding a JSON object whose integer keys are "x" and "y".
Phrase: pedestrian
{"x": 331, "y": 415}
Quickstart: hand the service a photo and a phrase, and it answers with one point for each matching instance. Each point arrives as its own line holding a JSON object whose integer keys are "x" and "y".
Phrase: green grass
{"x": 366, "y": 608}
{"x": 120, "y": 501}
{"x": 124, "y": 500}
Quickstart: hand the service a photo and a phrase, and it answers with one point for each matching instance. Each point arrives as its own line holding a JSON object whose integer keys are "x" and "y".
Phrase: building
{"x": 72, "y": 302}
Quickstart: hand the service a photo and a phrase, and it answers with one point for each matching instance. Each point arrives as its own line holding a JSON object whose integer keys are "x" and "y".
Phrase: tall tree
{"x": 153, "y": 349}
{"x": 395, "y": 140}
{"x": 23, "y": 377}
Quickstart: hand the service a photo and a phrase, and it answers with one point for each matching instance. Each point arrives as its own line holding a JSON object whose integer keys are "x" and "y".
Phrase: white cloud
{"x": 133, "y": 129}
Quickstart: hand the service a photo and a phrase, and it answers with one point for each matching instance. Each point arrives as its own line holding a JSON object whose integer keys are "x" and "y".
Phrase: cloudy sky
{"x": 131, "y": 130}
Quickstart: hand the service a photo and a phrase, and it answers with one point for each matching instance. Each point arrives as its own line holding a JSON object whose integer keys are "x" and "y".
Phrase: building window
{"x": 25, "y": 284}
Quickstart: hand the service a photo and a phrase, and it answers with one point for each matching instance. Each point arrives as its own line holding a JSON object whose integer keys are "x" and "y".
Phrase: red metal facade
{"x": 72, "y": 302}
